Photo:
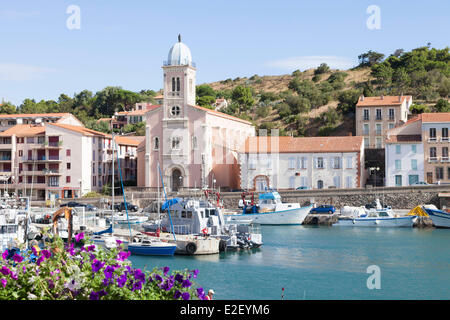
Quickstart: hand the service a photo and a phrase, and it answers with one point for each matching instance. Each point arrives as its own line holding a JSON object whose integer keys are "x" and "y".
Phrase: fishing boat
{"x": 441, "y": 219}
{"x": 270, "y": 210}
{"x": 203, "y": 217}
{"x": 144, "y": 245}
{"x": 377, "y": 218}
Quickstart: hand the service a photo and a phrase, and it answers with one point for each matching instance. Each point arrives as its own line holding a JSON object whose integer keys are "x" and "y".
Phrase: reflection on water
{"x": 326, "y": 263}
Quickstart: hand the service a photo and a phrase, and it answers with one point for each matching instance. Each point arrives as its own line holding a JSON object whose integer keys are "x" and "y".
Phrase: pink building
{"x": 196, "y": 147}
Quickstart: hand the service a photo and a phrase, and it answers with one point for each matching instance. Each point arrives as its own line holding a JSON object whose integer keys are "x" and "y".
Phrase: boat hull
{"x": 285, "y": 217}
{"x": 440, "y": 219}
{"x": 153, "y": 250}
{"x": 407, "y": 221}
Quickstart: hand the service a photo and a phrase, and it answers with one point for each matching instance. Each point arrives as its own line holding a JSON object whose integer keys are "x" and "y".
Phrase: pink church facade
{"x": 195, "y": 147}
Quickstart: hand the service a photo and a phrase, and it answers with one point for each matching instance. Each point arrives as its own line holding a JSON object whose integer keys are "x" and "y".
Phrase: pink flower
{"x": 5, "y": 254}
{"x": 79, "y": 237}
{"x": 17, "y": 258}
{"x": 4, "y": 281}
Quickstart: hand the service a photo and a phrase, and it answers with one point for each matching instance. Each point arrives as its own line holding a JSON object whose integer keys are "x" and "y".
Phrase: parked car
{"x": 420, "y": 183}
{"x": 325, "y": 208}
{"x": 121, "y": 207}
{"x": 302, "y": 188}
{"x": 73, "y": 204}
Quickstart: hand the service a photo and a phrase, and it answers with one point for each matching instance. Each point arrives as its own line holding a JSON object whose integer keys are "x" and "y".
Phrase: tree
{"x": 298, "y": 104}
{"x": 205, "y": 101}
{"x": 322, "y": 69}
{"x": 7, "y": 108}
{"x": 243, "y": 96}
{"x": 204, "y": 90}
{"x": 397, "y": 53}
{"x": 442, "y": 106}
{"x": 347, "y": 101}
{"x": 419, "y": 108}
{"x": 370, "y": 58}
{"x": 383, "y": 73}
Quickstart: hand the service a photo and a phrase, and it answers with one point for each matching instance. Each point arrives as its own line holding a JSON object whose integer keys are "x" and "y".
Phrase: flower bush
{"x": 86, "y": 271}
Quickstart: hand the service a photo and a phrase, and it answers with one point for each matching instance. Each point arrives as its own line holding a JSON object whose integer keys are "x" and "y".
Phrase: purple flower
{"x": 158, "y": 278}
{"x": 179, "y": 277}
{"x": 17, "y": 258}
{"x": 119, "y": 242}
{"x": 79, "y": 237}
{"x": 139, "y": 275}
{"x": 51, "y": 284}
{"x": 39, "y": 260}
{"x": 185, "y": 295}
{"x": 97, "y": 265}
{"x": 4, "y": 282}
{"x": 34, "y": 251}
{"x": 186, "y": 283}
{"x": 166, "y": 270}
{"x": 108, "y": 272}
{"x": 47, "y": 254}
{"x": 5, "y": 254}
{"x": 177, "y": 294}
{"x": 167, "y": 285}
{"x": 92, "y": 256}
{"x": 195, "y": 273}
{"x": 94, "y": 296}
{"x": 121, "y": 281}
{"x": 90, "y": 248}
{"x": 137, "y": 286}
{"x": 14, "y": 275}
{"x": 123, "y": 255}
{"x": 5, "y": 271}
{"x": 70, "y": 250}
{"x": 102, "y": 293}
{"x": 200, "y": 292}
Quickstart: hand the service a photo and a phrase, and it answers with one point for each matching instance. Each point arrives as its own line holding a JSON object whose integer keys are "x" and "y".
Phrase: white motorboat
{"x": 123, "y": 219}
{"x": 441, "y": 219}
{"x": 377, "y": 218}
{"x": 270, "y": 210}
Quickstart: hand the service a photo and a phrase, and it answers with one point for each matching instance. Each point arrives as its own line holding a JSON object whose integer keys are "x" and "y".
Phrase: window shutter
{"x": 331, "y": 163}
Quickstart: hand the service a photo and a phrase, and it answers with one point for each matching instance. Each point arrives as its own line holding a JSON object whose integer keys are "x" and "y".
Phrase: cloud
{"x": 308, "y": 62}
{"x": 20, "y": 72}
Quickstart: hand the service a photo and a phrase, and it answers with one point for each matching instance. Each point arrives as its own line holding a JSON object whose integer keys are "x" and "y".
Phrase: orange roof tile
{"x": 34, "y": 115}
{"x": 303, "y": 144}
{"x": 127, "y": 140}
{"x": 436, "y": 117}
{"x": 24, "y": 130}
{"x": 79, "y": 129}
{"x": 223, "y": 115}
{"x": 381, "y": 101}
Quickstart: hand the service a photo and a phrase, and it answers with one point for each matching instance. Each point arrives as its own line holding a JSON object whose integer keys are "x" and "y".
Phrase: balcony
{"x": 445, "y": 159}
{"x": 432, "y": 159}
{"x": 5, "y": 158}
{"x": 444, "y": 139}
{"x": 53, "y": 144}
{"x": 378, "y": 118}
{"x": 432, "y": 139}
{"x": 366, "y": 118}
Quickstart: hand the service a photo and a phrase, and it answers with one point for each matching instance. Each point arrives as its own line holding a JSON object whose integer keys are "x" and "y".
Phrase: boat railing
{"x": 182, "y": 229}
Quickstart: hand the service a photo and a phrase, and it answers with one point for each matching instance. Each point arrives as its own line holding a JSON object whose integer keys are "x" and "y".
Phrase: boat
{"x": 270, "y": 210}
{"x": 377, "y": 218}
{"x": 441, "y": 219}
{"x": 123, "y": 219}
{"x": 203, "y": 217}
{"x": 145, "y": 245}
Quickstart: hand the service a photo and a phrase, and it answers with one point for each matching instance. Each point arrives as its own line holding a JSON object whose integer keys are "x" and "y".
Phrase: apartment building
{"x": 10, "y": 120}
{"x": 57, "y": 160}
{"x": 313, "y": 163}
{"x": 376, "y": 115}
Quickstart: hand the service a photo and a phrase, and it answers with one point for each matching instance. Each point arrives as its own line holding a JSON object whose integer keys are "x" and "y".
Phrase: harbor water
{"x": 312, "y": 262}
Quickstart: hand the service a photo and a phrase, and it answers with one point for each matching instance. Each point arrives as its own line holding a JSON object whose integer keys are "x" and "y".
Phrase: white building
{"x": 404, "y": 160}
{"x": 314, "y": 163}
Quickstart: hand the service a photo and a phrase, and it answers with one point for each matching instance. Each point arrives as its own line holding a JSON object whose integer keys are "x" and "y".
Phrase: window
{"x": 252, "y": 163}
{"x": 378, "y": 128}
{"x": 173, "y": 84}
{"x": 413, "y": 178}
{"x": 30, "y": 139}
{"x": 178, "y": 84}
{"x": 320, "y": 163}
{"x": 414, "y": 148}
{"x": 176, "y": 143}
{"x": 53, "y": 181}
{"x": 337, "y": 163}
{"x": 413, "y": 164}
{"x": 448, "y": 172}
{"x": 432, "y": 133}
{"x": 445, "y": 152}
{"x": 94, "y": 181}
{"x": 398, "y": 149}
{"x": 349, "y": 162}
{"x": 304, "y": 162}
{"x": 378, "y": 117}
{"x": 391, "y": 114}
{"x": 348, "y": 182}
{"x": 366, "y": 128}
{"x": 68, "y": 153}
{"x": 93, "y": 168}
{"x": 292, "y": 182}
{"x": 337, "y": 181}
{"x": 391, "y": 125}
{"x": 379, "y": 142}
{"x": 444, "y": 134}
{"x": 67, "y": 179}
{"x": 366, "y": 114}
{"x": 398, "y": 164}
{"x": 68, "y": 165}
{"x": 320, "y": 184}
{"x": 304, "y": 181}
{"x": 433, "y": 152}
{"x": 291, "y": 163}
{"x": 398, "y": 180}
{"x": 366, "y": 142}
{"x": 439, "y": 173}
{"x": 20, "y": 153}
{"x": 93, "y": 154}
{"x": 175, "y": 111}
{"x": 156, "y": 143}
{"x": 194, "y": 142}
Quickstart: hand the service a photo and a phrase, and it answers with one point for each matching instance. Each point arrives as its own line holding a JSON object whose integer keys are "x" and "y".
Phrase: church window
{"x": 176, "y": 143}
{"x": 156, "y": 143}
{"x": 178, "y": 84}
{"x": 175, "y": 111}
{"x": 173, "y": 84}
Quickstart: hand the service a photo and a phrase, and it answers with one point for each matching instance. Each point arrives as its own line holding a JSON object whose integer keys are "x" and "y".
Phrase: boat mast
{"x": 159, "y": 210}
{"x": 112, "y": 183}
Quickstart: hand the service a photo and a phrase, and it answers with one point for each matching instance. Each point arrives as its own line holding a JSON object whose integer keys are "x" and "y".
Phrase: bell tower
{"x": 179, "y": 81}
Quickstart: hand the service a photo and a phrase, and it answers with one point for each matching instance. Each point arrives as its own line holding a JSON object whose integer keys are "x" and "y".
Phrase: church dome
{"x": 179, "y": 54}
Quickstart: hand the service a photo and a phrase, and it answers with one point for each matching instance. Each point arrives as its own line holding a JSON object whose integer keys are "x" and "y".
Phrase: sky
{"x": 43, "y": 53}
